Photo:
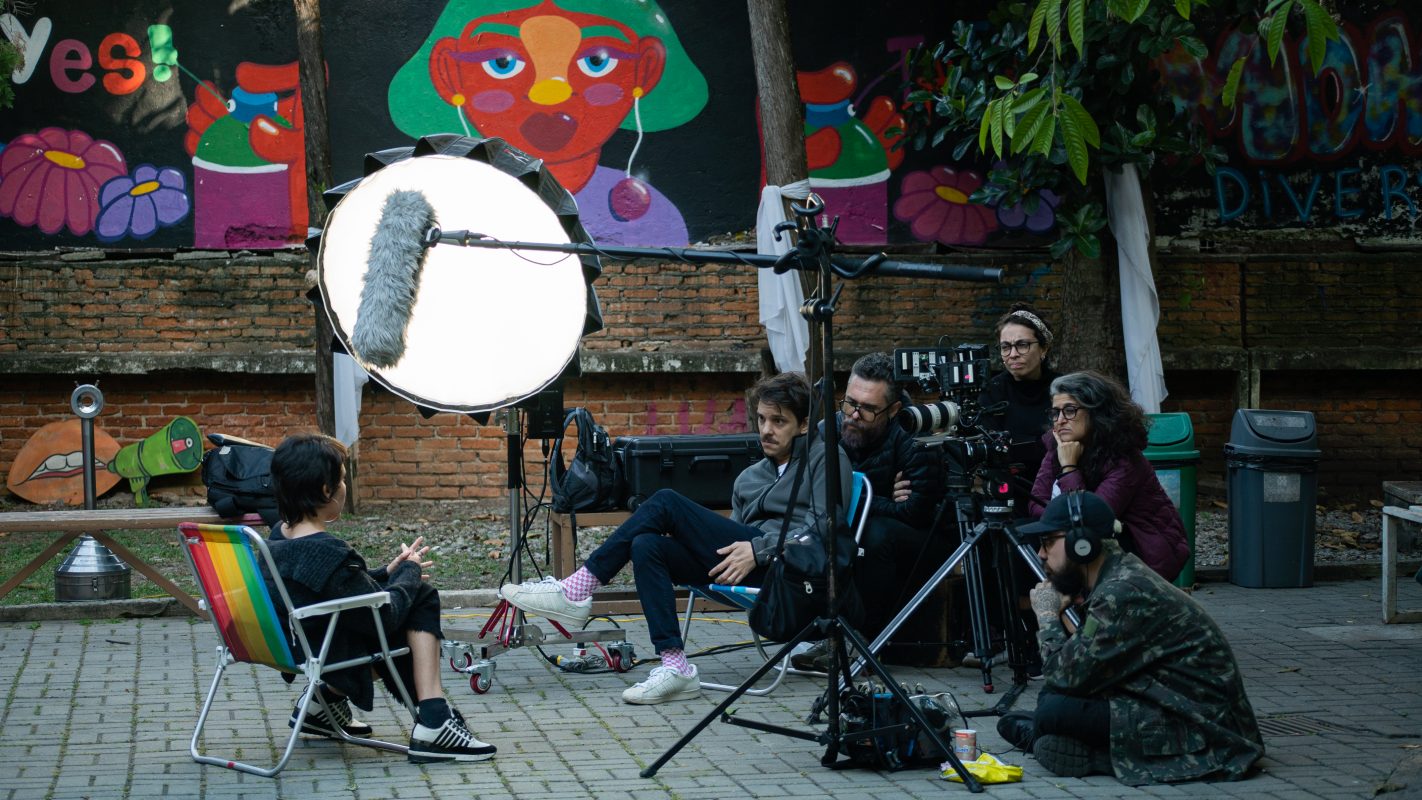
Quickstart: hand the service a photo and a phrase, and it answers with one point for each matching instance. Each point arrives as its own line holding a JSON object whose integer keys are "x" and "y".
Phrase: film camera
{"x": 952, "y": 424}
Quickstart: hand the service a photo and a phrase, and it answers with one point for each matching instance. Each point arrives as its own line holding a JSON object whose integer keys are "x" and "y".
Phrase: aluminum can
{"x": 965, "y": 744}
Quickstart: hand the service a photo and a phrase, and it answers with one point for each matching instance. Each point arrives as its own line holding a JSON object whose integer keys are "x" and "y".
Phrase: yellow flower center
{"x": 951, "y": 195}
{"x": 144, "y": 188}
{"x": 63, "y": 159}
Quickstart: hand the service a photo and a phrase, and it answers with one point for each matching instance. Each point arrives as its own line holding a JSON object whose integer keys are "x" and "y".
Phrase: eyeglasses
{"x": 1049, "y": 538}
{"x": 1023, "y": 346}
{"x": 866, "y": 413}
{"x": 1065, "y": 411}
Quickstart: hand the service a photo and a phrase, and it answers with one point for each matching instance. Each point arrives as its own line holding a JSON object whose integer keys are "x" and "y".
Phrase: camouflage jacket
{"x": 1178, "y": 707}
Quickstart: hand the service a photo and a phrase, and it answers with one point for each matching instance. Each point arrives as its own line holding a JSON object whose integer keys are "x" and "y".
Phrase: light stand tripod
{"x": 511, "y": 631}
{"x": 813, "y": 249}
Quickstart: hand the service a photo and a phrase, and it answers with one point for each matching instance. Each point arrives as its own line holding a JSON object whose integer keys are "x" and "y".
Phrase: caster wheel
{"x": 458, "y": 667}
{"x": 480, "y": 683}
{"x": 614, "y": 660}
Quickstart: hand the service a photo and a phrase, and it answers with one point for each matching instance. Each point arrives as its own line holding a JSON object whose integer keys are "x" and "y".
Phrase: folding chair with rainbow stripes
{"x": 246, "y": 615}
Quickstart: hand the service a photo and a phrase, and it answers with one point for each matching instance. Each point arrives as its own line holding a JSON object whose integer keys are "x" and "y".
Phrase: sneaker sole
{"x": 685, "y": 695}
{"x": 556, "y": 616}
{"x": 424, "y": 757}
{"x": 311, "y": 730}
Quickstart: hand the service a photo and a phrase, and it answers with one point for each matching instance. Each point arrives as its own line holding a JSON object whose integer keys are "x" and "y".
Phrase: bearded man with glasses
{"x": 907, "y": 485}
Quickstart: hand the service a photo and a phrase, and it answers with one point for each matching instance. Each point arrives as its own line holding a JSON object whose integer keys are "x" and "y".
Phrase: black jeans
{"x": 898, "y": 560}
{"x": 670, "y": 540}
{"x": 1087, "y": 719}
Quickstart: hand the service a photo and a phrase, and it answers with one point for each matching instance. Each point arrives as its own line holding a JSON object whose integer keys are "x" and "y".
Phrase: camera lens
{"x": 927, "y": 418}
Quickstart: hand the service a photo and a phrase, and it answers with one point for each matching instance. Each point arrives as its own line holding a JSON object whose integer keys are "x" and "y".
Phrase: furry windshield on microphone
{"x": 392, "y": 278}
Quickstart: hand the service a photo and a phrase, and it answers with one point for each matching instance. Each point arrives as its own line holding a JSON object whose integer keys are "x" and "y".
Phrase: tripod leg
{"x": 928, "y": 588}
{"x": 730, "y": 698}
{"x": 898, "y": 692}
{"x": 977, "y": 613}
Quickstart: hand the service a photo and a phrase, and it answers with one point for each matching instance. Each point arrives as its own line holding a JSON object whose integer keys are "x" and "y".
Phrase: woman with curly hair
{"x": 1095, "y": 443}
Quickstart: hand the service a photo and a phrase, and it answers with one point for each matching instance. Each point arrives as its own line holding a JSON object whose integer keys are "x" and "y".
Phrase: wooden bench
{"x": 1391, "y": 516}
{"x": 73, "y": 524}
{"x": 563, "y": 534}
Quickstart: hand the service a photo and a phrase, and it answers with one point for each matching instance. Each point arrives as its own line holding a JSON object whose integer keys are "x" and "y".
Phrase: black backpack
{"x": 238, "y": 478}
{"x": 589, "y": 482}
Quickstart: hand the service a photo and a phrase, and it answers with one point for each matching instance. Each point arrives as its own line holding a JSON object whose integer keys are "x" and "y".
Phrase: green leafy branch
{"x": 1319, "y": 29}
{"x": 9, "y": 60}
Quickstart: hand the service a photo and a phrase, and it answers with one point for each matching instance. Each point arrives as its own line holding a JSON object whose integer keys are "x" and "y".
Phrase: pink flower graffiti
{"x": 935, "y": 204}
{"x": 51, "y": 179}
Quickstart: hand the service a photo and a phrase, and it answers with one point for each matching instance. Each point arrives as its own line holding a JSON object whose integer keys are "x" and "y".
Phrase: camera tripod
{"x": 997, "y": 534}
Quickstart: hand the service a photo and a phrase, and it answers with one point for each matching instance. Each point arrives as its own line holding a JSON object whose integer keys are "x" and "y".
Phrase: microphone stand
{"x": 812, "y": 253}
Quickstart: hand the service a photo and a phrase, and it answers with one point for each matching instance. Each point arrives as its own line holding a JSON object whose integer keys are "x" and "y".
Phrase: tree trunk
{"x": 1088, "y": 334}
{"x": 782, "y": 117}
{"x": 311, "y": 54}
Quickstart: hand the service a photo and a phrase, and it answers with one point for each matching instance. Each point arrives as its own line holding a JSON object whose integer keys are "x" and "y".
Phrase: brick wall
{"x": 1297, "y": 310}
{"x": 241, "y": 304}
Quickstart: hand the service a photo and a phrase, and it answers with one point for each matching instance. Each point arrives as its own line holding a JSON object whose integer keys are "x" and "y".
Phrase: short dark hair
{"x": 789, "y": 390}
{"x": 306, "y": 469}
{"x": 874, "y": 367}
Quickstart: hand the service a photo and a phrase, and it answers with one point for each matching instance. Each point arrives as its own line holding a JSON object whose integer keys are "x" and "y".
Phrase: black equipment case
{"x": 701, "y": 467}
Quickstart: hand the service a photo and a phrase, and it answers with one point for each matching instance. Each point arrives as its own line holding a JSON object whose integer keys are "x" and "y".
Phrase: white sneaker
{"x": 546, "y": 599}
{"x": 663, "y": 685}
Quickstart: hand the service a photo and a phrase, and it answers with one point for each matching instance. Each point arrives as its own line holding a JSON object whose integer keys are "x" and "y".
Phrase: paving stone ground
{"x": 105, "y": 708}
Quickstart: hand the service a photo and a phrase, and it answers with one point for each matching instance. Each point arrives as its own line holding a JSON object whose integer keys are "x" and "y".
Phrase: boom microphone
{"x": 392, "y": 278}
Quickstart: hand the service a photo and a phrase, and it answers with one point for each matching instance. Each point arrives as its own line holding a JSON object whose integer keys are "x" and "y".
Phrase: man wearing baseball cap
{"x": 1148, "y": 689}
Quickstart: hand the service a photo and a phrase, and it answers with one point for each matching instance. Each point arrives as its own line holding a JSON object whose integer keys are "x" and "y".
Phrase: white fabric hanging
{"x": 781, "y": 295}
{"x": 1140, "y": 306}
{"x": 347, "y": 378}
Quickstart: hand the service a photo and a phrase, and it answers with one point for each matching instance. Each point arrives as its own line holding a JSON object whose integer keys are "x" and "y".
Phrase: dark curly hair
{"x": 1118, "y": 425}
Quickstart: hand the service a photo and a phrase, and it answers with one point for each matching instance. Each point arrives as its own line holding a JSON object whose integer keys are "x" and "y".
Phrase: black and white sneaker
{"x": 317, "y": 724}
{"x": 451, "y": 741}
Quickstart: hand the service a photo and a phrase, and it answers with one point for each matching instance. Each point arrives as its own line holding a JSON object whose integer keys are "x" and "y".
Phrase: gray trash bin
{"x": 1272, "y": 458}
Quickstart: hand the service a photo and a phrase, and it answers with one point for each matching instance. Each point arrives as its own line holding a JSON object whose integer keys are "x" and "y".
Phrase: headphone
{"x": 1083, "y": 544}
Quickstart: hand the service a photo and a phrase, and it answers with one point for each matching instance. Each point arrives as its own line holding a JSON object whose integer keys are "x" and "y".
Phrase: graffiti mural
{"x": 115, "y": 140}
{"x": 249, "y": 159}
{"x": 556, "y": 80}
{"x": 176, "y": 125}
{"x": 1337, "y": 148}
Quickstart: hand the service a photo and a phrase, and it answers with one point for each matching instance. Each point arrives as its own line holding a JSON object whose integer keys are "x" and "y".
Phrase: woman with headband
{"x": 1024, "y": 341}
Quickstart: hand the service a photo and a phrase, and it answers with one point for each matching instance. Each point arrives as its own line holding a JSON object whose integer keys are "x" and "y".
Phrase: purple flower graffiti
{"x": 1041, "y": 220}
{"x": 136, "y": 206}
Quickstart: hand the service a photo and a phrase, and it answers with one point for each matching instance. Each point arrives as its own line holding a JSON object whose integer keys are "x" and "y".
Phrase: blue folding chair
{"x": 743, "y": 597}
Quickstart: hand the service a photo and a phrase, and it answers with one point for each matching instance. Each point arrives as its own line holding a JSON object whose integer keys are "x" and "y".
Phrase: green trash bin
{"x": 1171, "y": 451}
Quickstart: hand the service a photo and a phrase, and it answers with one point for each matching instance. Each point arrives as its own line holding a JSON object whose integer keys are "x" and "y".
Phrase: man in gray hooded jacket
{"x": 671, "y": 540}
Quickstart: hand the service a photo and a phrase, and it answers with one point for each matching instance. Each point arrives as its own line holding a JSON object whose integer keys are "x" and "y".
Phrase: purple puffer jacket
{"x": 1153, "y": 530}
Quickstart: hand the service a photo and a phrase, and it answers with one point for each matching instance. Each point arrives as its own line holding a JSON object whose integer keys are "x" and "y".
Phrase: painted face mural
{"x": 556, "y": 79}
